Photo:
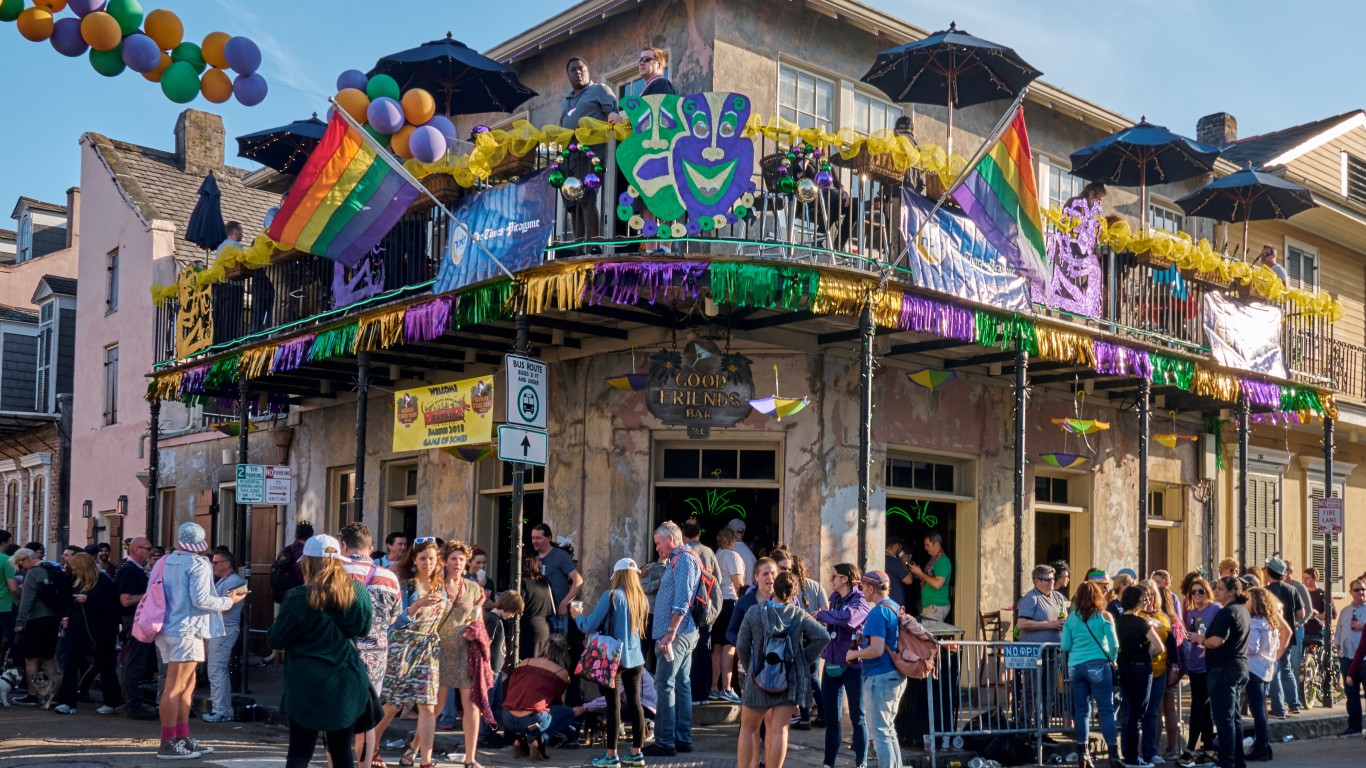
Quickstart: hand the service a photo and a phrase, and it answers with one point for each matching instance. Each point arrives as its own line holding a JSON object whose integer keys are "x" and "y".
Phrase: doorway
{"x": 910, "y": 521}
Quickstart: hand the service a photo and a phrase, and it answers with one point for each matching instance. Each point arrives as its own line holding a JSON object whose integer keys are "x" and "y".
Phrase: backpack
{"x": 151, "y": 613}
{"x": 55, "y": 593}
{"x": 284, "y": 574}
{"x": 773, "y": 671}
{"x": 917, "y": 652}
{"x": 706, "y": 603}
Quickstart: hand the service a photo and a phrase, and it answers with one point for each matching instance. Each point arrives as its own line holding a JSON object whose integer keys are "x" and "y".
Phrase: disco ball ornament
{"x": 592, "y": 181}
{"x": 824, "y": 180}
{"x": 807, "y": 190}
{"x": 572, "y": 189}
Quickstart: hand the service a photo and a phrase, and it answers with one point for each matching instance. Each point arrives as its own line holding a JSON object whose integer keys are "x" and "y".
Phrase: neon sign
{"x": 917, "y": 512}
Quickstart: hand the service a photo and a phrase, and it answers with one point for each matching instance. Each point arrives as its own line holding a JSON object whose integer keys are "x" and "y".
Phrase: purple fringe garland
{"x": 1276, "y": 417}
{"x": 1261, "y": 393}
{"x": 291, "y": 354}
{"x": 428, "y": 320}
{"x": 1116, "y": 360}
{"x": 938, "y": 318}
{"x": 192, "y": 381}
{"x": 624, "y": 282}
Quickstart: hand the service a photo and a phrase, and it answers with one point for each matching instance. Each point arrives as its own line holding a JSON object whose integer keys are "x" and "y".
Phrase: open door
{"x": 264, "y": 545}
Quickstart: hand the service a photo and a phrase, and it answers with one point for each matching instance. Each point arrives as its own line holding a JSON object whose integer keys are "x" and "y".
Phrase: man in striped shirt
{"x": 383, "y": 587}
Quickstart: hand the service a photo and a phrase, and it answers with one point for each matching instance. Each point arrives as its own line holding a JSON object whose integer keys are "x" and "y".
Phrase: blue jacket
{"x": 631, "y": 654}
{"x": 192, "y": 609}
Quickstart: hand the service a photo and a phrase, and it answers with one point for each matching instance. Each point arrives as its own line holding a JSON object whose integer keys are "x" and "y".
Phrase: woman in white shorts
{"x": 193, "y": 614}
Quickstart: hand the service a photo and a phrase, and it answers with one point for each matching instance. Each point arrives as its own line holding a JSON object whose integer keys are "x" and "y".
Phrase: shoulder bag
{"x": 601, "y": 659}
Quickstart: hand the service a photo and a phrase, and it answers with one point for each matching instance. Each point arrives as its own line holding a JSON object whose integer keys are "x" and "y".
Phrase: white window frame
{"x": 796, "y": 112}
{"x": 1315, "y": 261}
{"x": 1047, "y": 166}
{"x": 25, "y": 245}
{"x": 1160, "y": 212}
{"x": 892, "y": 112}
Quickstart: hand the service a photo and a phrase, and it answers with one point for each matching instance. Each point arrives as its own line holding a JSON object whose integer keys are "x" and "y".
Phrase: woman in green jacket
{"x": 326, "y": 686}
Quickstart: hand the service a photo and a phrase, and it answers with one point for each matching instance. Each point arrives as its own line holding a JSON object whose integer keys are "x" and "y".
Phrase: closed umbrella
{"x": 1248, "y": 195}
{"x": 466, "y": 81}
{"x": 1140, "y": 153}
{"x": 285, "y": 148}
{"x": 206, "y": 228}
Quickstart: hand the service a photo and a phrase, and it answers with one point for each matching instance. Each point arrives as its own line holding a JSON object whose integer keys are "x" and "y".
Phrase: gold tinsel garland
{"x": 1064, "y": 347}
{"x": 1219, "y": 386}
{"x": 560, "y": 287}
{"x": 255, "y": 362}
{"x": 380, "y": 331}
{"x": 840, "y": 295}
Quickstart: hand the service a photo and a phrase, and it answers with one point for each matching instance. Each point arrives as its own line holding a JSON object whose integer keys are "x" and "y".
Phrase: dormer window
{"x": 25, "y": 238}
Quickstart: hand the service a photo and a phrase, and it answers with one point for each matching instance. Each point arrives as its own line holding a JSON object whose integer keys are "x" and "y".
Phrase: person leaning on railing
{"x": 1088, "y": 639}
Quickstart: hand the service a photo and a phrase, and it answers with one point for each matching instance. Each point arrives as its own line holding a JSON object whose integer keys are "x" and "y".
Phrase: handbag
{"x": 371, "y": 715}
{"x": 601, "y": 657}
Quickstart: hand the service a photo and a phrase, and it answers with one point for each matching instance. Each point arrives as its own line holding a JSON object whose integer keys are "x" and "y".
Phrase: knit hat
{"x": 323, "y": 545}
{"x": 190, "y": 538}
{"x": 876, "y": 579}
{"x": 626, "y": 564}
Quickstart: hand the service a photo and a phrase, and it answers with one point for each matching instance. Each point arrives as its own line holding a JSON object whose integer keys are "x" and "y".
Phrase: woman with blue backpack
{"x": 777, "y": 644}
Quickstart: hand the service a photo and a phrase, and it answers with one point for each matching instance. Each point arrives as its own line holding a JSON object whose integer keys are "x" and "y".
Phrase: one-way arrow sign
{"x": 529, "y": 446}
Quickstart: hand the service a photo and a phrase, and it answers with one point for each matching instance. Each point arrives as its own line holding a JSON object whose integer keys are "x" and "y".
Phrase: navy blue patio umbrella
{"x": 1248, "y": 195}
{"x": 1140, "y": 154}
{"x": 206, "y": 228}
{"x": 465, "y": 81}
{"x": 286, "y": 148}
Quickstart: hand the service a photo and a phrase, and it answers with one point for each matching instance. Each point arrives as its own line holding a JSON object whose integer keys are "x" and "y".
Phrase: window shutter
{"x": 1263, "y": 518}
{"x": 1316, "y": 549}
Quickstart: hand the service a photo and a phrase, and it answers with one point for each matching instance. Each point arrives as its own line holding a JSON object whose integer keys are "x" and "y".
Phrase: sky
{"x": 1272, "y": 64}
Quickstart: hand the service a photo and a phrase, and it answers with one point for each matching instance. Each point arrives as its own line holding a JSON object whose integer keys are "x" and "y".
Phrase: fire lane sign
{"x": 1330, "y": 516}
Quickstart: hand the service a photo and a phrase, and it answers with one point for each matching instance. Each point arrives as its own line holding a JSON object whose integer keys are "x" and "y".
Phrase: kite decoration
{"x": 629, "y": 382}
{"x": 1082, "y": 426}
{"x": 1064, "y": 460}
{"x": 471, "y": 453}
{"x": 778, "y": 406}
{"x": 1173, "y": 438}
{"x": 931, "y": 378}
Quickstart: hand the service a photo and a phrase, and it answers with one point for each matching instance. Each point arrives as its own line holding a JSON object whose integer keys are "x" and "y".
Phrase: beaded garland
{"x": 571, "y": 187}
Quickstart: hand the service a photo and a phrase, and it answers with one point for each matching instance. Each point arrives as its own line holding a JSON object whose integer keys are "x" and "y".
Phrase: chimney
{"x": 1219, "y": 129}
{"x": 73, "y": 216}
{"x": 199, "y": 142}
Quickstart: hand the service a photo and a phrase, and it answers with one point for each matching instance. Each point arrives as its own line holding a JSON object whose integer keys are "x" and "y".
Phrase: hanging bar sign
{"x": 713, "y": 391}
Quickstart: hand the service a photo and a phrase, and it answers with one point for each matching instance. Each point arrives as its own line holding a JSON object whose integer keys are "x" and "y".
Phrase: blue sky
{"x": 1171, "y": 60}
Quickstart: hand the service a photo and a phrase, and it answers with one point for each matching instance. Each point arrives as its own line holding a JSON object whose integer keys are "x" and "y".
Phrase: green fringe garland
{"x": 487, "y": 302}
{"x": 1299, "y": 399}
{"x": 1172, "y": 371}
{"x": 1215, "y": 426}
{"x": 333, "y": 342}
{"x": 1005, "y": 332}
{"x": 763, "y": 285}
{"x": 222, "y": 372}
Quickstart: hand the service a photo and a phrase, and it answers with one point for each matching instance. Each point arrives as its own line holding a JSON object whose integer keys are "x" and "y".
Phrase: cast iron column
{"x": 1021, "y": 398}
{"x": 1240, "y": 533}
{"x": 1328, "y": 672}
{"x": 362, "y": 406}
{"x": 153, "y": 468}
{"x": 523, "y": 347}
{"x": 239, "y": 544}
{"x": 1145, "y": 392}
{"x": 865, "y": 430}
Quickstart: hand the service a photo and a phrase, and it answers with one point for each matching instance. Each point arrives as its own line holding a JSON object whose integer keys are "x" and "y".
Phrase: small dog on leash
{"x": 46, "y": 686}
{"x": 9, "y": 683}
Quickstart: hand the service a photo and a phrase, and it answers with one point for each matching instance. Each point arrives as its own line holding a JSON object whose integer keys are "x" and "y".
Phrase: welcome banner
{"x": 444, "y": 415}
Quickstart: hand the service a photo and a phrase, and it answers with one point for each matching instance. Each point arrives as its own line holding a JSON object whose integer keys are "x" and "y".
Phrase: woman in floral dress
{"x": 412, "y": 676}
{"x": 466, "y": 598}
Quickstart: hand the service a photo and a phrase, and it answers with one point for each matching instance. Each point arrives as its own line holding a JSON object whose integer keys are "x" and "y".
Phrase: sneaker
{"x": 24, "y": 700}
{"x": 607, "y": 761}
{"x": 683, "y": 747}
{"x": 107, "y": 710}
{"x": 1350, "y": 733}
{"x": 175, "y": 749}
{"x": 715, "y": 695}
{"x": 635, "y": 761}
{"x": 214, "y": 717}
{"x": 1157, "y": 760}
{"x": 802, "y": 725}
{"x": 195, "y": 746}
{"x": 731, "y": 696}
{"x": 657, "y": 750}
{"x": 63, "y": 709}
{"x": 1294, "y": 710}
{"x": 1139, "y": 763}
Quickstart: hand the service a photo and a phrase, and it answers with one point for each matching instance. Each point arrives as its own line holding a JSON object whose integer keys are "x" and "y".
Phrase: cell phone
{"x": 242, "y": 590}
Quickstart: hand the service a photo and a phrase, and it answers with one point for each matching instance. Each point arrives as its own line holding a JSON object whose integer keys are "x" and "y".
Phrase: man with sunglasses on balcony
{"x": 1348, "y": 638}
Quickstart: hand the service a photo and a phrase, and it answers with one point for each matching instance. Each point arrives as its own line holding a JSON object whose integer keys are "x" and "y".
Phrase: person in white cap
{"x": 742, "y": 549}
{"x": 193, "y": 614}
{"x": 620, "y": 614}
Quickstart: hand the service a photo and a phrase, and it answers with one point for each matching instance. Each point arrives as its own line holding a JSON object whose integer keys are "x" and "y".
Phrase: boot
{"x": 1112, "y": 751}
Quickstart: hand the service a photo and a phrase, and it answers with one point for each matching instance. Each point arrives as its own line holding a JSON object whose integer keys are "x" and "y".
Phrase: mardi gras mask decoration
{"x": 712, "y": 160}
{"x": 646, "y": 157}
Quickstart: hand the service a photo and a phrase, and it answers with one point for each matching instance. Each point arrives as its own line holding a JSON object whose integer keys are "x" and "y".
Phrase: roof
{"x": 63, "y": 286}
{"x": 37, "y": 205}
{"x": 157, "y": 189}
{"x": 8, "y": 234}
{"x": 1272, "y": 148}
{"x": 17, "y": 315}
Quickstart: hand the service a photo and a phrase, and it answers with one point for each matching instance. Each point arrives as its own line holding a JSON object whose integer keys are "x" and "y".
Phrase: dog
{"x": 46, "y": 687}
{"x": 9, "y": 683}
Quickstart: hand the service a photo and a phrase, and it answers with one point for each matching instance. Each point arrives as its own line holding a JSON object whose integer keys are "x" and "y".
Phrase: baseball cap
{"x": 322, "y": 545}
{"x": 190, "y": 537}
{"x": 876, "y": 578}
{"x": 736, "y": 524}
{"x": 1127, "y": 572}
{"x": 626, "y": 564}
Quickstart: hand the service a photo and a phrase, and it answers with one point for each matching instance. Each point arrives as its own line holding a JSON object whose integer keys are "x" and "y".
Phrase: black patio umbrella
{"x": 286, "y": 148}
{"x": 950, "y": 67}
{"x": 206, "y": 228}
{"x": 467, "y": 81}
{"x": 1248, "y": 195}
{"x": 1141, "y": 152}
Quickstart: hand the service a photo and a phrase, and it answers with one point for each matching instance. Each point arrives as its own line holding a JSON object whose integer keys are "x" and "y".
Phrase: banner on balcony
{"x": 962, "y": 262}
{"x": 512, "y": 221}
{"x": 444, "y": 415}
{"x": 1244, "y": 336}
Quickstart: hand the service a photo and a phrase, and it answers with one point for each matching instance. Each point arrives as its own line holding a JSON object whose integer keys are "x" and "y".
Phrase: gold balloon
{"x": 399, "y": 142}
{"x": 216, "y": 86}
{"x": 35, "y": 24}
{"x": 101, "y": 31}
{"x": 212, "y": 48}
{"x": 165, "y": 28}
{"x": 155, "y": 75}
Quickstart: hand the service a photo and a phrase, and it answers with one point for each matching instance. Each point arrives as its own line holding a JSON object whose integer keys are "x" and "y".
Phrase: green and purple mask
{"x": 646, "y": 157}
{"x": 713, "y": 160}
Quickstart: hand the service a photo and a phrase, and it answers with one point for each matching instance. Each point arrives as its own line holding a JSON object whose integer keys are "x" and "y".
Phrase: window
{"x": 111, "y": 385}
{"x": 111, "y": 281}
{"x": 46, "y": 369}
{"x": 1050, "y": 490}
{"x": 718, "y": 464}
{"x": 1301, "y": 266}
{"x": 872, "y": 114}
{"x": 1165, "y": 219}
{"x": 805, "y": 99}
{"x": 921, "y": 475}
{"x": 400, "y": 498}
{"x": 717, "y": 483}
{"x": 1316, "y": 547}
{"x": 1263, "y": 518}
{"x": 25, "y": 238}
{"x": 1061, "y": 185}
{"x": 37, "y": 515}
{"x": 12, "y": 507}
{"x": 1165, "y": 540}
{"x": 341, "y": 494}
{"x": 1353, "y": 178}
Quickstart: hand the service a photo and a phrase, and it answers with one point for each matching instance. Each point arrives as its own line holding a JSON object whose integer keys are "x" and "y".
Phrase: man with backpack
{"x": 131, "y": 582}
{"x": 284, "y": 573}
{"x": 675, "y": 636}
{"x": 703, "y": 615}
{"x": 44, "y": 599}
{"x": 882, "y": 683}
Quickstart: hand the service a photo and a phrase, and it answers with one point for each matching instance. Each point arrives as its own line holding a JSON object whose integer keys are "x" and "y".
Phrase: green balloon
{"x": 10, "y": 9}
{"x": 190, "y": 54}
{"x": 382, "y": 138}
{"x": 382, "y": 85}
{"x": 180, "y": 82}
{"x": 128, "y": 13}
{"x": 108, "y": 63}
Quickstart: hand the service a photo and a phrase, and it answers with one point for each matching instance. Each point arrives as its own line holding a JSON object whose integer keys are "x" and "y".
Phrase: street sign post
{"x": 264, "y": 484}
{"x": 1330, "y": 516}
{"x": 528, "y": 446}
{"x": 525, "y": 397}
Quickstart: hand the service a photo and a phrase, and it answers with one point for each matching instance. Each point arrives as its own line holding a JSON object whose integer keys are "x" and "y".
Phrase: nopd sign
{"x": 714, "y": 391}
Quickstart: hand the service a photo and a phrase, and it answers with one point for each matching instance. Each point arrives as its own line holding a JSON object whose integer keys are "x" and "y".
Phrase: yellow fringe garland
{"x": 1064, "y": 347}
{"x": 255, "y": 362}
{"x": 1219, "y": 386}
{"x": 380, "y": 331}
{"x": 165, "y": 387}
{"x": 886, "y": 306}
{"x": 841, "y": 295}
{"x": 559, "y": 288}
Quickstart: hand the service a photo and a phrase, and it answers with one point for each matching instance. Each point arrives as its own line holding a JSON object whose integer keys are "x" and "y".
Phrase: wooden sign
{"x": 713, "y": 390}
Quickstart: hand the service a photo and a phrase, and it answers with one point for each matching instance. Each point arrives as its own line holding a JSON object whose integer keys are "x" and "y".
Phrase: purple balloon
{"x": 66, "y": 37}
{"x": 141, "y": 53}
{"x": 385, "y": 114}
{"x": 82, "y": 8}
{"x": 427, "y": 144}
{"x": 249, "y": 90}
{"x": 444, "y": 124}
{"x": 242, "y": 55}
{"x": 352, "y": 78}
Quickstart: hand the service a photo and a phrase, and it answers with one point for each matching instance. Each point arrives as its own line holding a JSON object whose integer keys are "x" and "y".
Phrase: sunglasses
{"x": 644, "y": 59}
{"x": 1199, "y": 592}
{"x": 423, "y": 540}
{"x": 1359, "y": 589}
{"x": 1050, "y": 579}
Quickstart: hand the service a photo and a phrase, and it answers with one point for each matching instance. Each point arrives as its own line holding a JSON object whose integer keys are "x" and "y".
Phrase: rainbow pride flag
{"x": 1000, "y": 196}
{"x": 345, "y": 200}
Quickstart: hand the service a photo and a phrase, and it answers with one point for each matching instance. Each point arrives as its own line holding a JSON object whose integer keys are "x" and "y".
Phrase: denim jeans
{"x": 449, "y": 710}
{"x": 1152, "y": 716}
{"x": 1296, "y": 654}
{"x": 217, "y": 654}
{"x": 1256, "y": 704}
{"x": 1226, "y": 684}
{"x": 850, "y": 682}
{"x": 1284, "y": 690}
{"x": 1090, "y": 680}
{"x": 1136, "y": 681}
{"x": 539, "y": 725}
{"x": 1353, "y": 693}
{"x": 673, "y": 688}
{"x": 883, "y": 695}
